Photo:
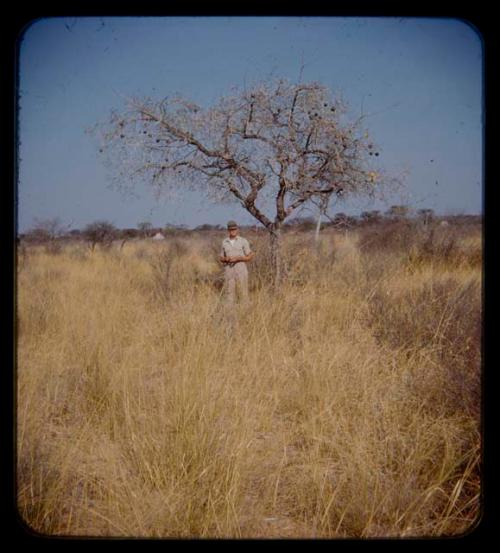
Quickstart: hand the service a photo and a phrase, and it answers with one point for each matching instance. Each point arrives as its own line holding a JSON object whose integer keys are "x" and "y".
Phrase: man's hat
{"x": 232, "y": 224}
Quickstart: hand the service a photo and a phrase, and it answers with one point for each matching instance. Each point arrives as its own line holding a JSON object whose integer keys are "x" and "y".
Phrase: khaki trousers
{"x": 236, "y": 276}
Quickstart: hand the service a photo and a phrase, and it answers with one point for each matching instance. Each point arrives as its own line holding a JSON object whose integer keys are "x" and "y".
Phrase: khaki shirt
{"x": 240, "y": 246}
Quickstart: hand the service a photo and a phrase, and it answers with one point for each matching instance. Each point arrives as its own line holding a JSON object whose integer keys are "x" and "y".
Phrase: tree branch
{"x": 308, "y": 194}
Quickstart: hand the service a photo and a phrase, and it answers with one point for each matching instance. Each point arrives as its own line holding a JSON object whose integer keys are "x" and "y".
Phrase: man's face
{"x": 233, "y": 232}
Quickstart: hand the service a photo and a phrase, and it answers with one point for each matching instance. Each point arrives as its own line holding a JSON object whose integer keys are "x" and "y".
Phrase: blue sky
{"x": 419, "y": 79}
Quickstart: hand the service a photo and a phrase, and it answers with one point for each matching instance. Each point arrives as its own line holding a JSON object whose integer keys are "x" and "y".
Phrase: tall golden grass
{"x": 345, "y": 405}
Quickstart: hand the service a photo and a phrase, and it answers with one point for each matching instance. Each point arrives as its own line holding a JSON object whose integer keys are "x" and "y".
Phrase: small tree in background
{"x": 48, "y": 231}
{"x": 323, "y": 203}
{"x": 426, "y": 215}
{"x": 45, "y": 230}
{"x": 127, "y": 234}
{"x": 302, "y": 224}
{"x": 208, "y": 227}
{"x": 169, "y": 229}
{"x": 100, "y": 232}
{"x": 145, "y": 228}
{"x": 398, "y": 212}
{"x": 341, "y": 221}
{"x": 277, "y": 144}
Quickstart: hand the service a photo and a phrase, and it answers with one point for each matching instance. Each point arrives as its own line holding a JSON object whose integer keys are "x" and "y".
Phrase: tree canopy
{"x": 275, "y": 144}
{"x": 272, "y": 148}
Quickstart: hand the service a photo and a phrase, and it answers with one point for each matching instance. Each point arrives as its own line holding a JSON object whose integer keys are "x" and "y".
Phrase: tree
{"x": 145, "y": 228}
{"x": 301, "y": 223}
{"x": 426, "y": 215}
{"x": 371, "y": 216}
{"x": 126, "y": 234}
{"x": 271, "y": 148}
{"x": 322, "y": 204}
{"x": 100, "y": 232}
{"x": 46, "y": 230}
{"x": 398, "y": 211}
{"x": 207, "y": 226}
{"x": 49, "y": 232}
{"x": 341, "y": 221}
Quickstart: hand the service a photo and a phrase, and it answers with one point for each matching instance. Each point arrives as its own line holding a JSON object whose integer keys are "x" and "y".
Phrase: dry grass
{"x": 345, "y": 406}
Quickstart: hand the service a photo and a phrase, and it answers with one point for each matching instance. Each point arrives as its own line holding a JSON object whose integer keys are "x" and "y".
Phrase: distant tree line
{"x": 396, "y": 213}
{"x": 52, "y": 232}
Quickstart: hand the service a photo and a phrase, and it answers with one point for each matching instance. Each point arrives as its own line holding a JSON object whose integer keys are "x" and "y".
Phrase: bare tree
{"x": 426, "y": 215}
{"x": 323, "y": 203}
{"x": 271, "y": 148}
{"x": 100, "y": 232}
{"x": 145, "y": 228}
{"x": 49, "y": 232}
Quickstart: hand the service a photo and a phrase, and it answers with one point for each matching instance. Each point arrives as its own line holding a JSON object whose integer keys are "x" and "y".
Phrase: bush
{"x": 420, "y": 245}
{"x": 387, "y": 236}
{"x": 434, "y": 247}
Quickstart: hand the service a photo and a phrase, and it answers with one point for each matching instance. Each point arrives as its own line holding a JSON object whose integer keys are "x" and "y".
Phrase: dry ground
{"x": 348, "y": 404}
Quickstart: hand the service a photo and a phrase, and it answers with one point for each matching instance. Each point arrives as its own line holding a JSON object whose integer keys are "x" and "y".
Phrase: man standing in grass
{"x": 235, "y": 254}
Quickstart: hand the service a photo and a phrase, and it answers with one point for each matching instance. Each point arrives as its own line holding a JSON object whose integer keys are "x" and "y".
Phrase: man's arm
{"x": 238, "y": 258}
{"x": 222, "y": 256}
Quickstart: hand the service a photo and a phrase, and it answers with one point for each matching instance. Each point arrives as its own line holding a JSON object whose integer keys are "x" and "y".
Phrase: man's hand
{"x": 238, "y": 258}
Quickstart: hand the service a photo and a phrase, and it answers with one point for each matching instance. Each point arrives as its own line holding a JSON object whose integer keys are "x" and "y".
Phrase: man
{"x": 235, "y": 254}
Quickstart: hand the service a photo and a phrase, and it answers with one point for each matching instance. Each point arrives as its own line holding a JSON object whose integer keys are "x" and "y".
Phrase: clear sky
{"x": 420, "y": 79}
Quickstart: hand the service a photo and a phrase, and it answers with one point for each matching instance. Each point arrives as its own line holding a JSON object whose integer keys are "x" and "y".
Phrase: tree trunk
{"x": 318, "y": 227}
{"x": 276, "y": 255}
{"x": 323, "y": 206}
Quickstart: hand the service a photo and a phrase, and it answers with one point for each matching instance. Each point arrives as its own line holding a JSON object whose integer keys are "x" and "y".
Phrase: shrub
{"x": 388, "y": 236}
{"x": 433, "y": 247}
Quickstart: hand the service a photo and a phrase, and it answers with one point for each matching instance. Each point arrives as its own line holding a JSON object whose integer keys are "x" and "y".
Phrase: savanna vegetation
{"x": 345, "y": 404}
